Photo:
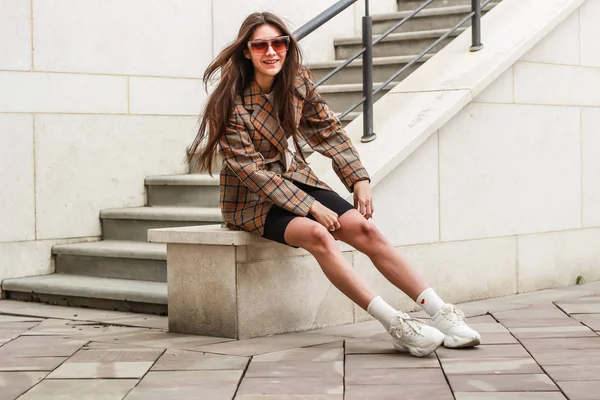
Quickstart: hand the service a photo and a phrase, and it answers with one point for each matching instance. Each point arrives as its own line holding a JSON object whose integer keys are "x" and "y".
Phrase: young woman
{"x": 263, "y": 105}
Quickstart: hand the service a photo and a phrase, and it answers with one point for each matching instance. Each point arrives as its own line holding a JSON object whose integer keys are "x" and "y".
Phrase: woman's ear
{"x": 247, "y": 54}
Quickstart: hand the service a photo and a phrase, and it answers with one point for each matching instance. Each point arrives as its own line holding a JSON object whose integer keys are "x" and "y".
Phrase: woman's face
{"x": 270, "y": 63}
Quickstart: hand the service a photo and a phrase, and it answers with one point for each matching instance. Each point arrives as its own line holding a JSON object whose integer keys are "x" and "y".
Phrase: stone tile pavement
{"x": 543, "y": 345}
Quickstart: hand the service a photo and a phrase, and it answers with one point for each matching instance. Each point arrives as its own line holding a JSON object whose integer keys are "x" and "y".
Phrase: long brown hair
{"x": 236, "y": 73}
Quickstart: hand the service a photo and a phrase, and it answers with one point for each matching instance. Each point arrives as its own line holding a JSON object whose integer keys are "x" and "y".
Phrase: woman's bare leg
{"x": 314, "y": 238}
{"x": 366, "y": 238}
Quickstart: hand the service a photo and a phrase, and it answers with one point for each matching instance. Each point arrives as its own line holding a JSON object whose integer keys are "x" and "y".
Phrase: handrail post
{"x": 476, "y": 26}
{"x": 367, "y": 72}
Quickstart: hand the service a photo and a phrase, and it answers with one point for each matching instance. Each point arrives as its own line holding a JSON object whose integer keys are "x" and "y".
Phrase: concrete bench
{"x": 232, "y": 284}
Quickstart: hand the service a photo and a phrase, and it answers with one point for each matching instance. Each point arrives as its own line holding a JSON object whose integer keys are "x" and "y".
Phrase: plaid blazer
{"x": 248, "y": 186}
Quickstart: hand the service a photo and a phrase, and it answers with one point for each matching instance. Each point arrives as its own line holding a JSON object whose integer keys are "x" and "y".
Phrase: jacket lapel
{"x": 263, "y": 116}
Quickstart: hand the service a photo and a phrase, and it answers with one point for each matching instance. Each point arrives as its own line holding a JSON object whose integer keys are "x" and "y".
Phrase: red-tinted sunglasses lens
{"x": 261, "y": 47}
{"x": 279, "y": 45}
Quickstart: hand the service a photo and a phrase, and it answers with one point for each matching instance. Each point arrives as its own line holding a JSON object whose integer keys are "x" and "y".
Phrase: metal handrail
{"x": 367, "y": 51}
{"x": 322, "y": 18}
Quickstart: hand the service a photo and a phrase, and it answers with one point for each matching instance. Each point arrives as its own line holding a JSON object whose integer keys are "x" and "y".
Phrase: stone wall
{"x": 95, "y": 96}
{"x": 505, "y": 198}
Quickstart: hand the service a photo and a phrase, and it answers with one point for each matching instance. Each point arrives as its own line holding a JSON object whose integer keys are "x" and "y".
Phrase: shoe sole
{"x": 422, "y": 352}
{"x": 454, "y": 342}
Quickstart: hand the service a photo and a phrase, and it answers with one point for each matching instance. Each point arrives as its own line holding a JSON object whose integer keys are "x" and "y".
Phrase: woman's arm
{"x": 247, "y": 164}
{"x": 324, "y": 133}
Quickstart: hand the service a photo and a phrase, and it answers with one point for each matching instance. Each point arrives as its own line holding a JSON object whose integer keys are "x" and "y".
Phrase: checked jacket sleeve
{"x": 240, "y": 156}
{"x": 324, "y": 133}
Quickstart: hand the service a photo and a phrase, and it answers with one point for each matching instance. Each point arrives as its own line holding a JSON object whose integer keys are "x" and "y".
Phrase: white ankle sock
{"x": 382, "y": 311}
{"x": 430, "y": 301}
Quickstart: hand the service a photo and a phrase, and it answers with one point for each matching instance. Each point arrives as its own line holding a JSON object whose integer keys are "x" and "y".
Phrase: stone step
{"x": 408, "y": 5}
{"x": 396, "y": 44}
{"x": 86, "y": 291}
{"x": 383, "y": 69}
{"x": 427, "y": 19}
{"x": 133, "y": 223}
{"x": 113, "y": 259}
{"x": 341, "y": 97}
{"x": 190, "y": 190}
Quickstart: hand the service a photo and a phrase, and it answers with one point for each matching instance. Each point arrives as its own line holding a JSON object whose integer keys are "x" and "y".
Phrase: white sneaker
{"x": 451, "y": 321}
{"x": 410, "y": 334}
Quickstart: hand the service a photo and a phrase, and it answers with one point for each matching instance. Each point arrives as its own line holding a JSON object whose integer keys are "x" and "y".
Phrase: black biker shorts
{"x": 279, "y": 218}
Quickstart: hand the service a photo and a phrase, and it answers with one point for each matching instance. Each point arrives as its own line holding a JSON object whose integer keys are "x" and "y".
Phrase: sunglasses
{"x": 260, "y": 47}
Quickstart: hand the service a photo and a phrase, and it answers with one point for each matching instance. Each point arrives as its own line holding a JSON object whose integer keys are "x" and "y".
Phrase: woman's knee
{"x": 320, "y": 241}
{"x": 369, "y": 235}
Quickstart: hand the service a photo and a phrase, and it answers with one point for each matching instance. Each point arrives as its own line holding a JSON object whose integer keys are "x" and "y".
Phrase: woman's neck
{"x": 265, "y": 82}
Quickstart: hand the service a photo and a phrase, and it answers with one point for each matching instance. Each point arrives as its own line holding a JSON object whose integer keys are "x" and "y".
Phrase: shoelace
{"x": 454, "y": 315}
{"x": 414, "y": 323}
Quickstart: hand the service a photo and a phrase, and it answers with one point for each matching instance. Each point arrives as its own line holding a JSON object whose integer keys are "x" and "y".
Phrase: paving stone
{"x": 182, "y": 360}
{"x": 82, "y": 370}
{"x": 541, "y": 306}
{"x": 574, "y": 372}
{"x": 7, "y": 336}
{"x": 304, "y": 354}
{"x": 583, "y": 390}
{"x": 80, "y": 389}
{"x": 13, "y": 384}
{"x": 270, "y": 344}
{"x": 482, "y": 319}
{"x": 18, "y": 326}
{"x": 489, "y": 327}
{"x": 484, "y": 351}
{"x": 510, "y": 396}
{"x": 400, "y": 376}
{"x": 399, "y": 360}
{"x": 498, "y": 338}
{"x": 580, "y": 300}
{"x": 534, "y": 323}
{"x": 51, "y": 311}
{"x": 551, "y": 295}
{"x": 116, "y": 334}
{"x": 591, "y": 320}
{"x": 30, "y": 363}
{"x": 65, "y": 328}
{"x": 140, "y": 321}
{"x": 530, "y": 314}
{"x": 394, "y": 392}
{"x": 546, "y": 332}
{"x": 556, "y": 344}
{"x": 187, "y": 385}
{"x": 290, "y": 369}
{"x": 297, "y": 386}
{"x": 567, "y": 357}
{"x": 4, "y": 319}
{"x": 583, "y": 308}
{"x": 290, "y": 397}
{"x": 107, "y": 363}
{"x": 116, "y": 355}
{"x": 116, "y": 346}
{"x": 364, "y": 346}
{"x": 525, "y": 365}
{"x": 328, "y": 345}
{"x": 365, "y": 329}
{"x": 501, "y": 383}
{"x": 154, "y": 338}
{"x": 46, "y": 346}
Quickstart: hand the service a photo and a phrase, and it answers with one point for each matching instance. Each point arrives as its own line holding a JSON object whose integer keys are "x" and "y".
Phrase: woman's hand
{"x": 363, "y": 200}
{"x": 325, "y": 216}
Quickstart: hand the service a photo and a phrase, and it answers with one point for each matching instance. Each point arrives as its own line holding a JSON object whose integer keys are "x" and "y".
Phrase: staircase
{"x": 125, "y": 272}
